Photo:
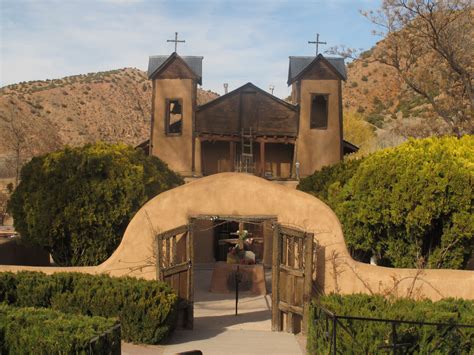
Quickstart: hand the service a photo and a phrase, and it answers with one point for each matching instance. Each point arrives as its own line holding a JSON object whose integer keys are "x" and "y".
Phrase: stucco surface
{"x": 175, "y": 150}
{"x": 318, "y": 147}
{"x": 242, "y": 194}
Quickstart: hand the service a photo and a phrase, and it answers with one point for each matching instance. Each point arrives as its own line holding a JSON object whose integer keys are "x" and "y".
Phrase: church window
{"x": 174, "y": 116}
{"x": 319, "y": 111}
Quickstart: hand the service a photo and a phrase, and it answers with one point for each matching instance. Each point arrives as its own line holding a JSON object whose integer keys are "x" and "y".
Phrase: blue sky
{"x": 241, "y": 41}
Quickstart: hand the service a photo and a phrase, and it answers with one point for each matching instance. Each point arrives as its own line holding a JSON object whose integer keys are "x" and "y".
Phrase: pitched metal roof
{"x": 157, "y": 61}
{"x": 298, "y": 64}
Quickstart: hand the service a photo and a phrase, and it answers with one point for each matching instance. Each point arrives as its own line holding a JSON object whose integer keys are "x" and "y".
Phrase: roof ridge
{"x": 313, "y": 56}
{"x": 182, "y": 56}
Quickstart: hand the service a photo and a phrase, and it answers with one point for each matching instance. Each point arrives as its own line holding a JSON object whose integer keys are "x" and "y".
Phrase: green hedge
{"x": 147, "y": 309}
{"x": 45, "y": 331}
{"x": 410, "y": 206}
{"x": 368, "y": 336}
{"x": 329, "y": 177}
{"x": 77, "y": 202}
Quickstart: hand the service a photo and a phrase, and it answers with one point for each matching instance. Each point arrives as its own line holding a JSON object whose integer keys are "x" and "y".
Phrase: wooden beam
{"x": 291, "y": 271}
{"x": 190, "y": 276}
{"x": 174, "y": 255}
{"x": 234, "y": 138}
{"x": 292, "y": 232}
{"x": 276, "y": 313}
{"x": 285, "y": 307}
{"x": 290, "y": 292}
{"x": 176, "y": 269}
{"x": 308, "y": 279}
{"x": 262, "y": 158}
{"x": 232, "y": 155}
{"x": 173, "y": 232}
{"x": 167, "y": 252}
{"x": 235, "y": 218}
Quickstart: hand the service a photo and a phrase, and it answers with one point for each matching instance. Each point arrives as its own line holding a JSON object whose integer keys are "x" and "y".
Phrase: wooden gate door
{"x": 292, "y": 272}
{"x": 174, "y": 265}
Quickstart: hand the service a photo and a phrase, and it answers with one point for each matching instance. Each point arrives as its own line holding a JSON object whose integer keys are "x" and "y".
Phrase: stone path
{"x": 218, "y": 331}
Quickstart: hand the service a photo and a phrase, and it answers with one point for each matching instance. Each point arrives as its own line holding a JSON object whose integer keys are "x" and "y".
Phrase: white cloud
{"x": 240, "y": 43}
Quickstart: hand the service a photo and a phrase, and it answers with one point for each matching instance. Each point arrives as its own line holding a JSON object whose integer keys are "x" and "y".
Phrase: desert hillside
{"x": 375, "y": 91}
{"x": 111, "y": 106}
{"x": 114, "y": 106}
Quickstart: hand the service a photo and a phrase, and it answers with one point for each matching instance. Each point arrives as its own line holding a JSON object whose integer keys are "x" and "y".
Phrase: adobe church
{"x": 248, "y": 129}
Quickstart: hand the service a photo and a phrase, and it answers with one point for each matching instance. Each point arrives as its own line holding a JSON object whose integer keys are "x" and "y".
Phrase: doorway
{"x": 214, "y": 272}
{"x": 273, "y": 265}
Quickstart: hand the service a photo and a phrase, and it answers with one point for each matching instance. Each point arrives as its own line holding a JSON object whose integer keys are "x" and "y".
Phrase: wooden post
{"x": 232, "y": 155}
{"x": 174, "y": 255}
{"x": 262, "y": 158}
{"x": 276, "y": 313}
{"x": 240, "y": 241}
{"x": 290, "y": 281}
{"x": 167, "y": 252}
{"x": 293, "y": 162}
{"x": 190, "y": 275}
{"x": 308, "y": 278}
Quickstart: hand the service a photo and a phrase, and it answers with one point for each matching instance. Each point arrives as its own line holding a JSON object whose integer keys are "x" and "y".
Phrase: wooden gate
{"x": 292, "y": 272}
{"x": 174, "y": 265}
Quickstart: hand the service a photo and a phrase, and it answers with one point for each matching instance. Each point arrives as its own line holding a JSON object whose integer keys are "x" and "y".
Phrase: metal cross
{"x": 175, "y": 40}
{"x": 317, "y": 43}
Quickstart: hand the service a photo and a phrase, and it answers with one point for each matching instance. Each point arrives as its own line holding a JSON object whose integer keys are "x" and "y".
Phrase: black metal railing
{"x": 336, "y": 334}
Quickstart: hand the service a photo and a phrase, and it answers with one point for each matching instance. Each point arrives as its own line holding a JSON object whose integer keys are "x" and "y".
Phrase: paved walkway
{"x": 218, "y": 331}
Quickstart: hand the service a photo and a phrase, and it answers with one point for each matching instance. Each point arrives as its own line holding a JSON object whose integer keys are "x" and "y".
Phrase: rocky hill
{"x": 40, "y": 116}
{"x": 375, "y": 91}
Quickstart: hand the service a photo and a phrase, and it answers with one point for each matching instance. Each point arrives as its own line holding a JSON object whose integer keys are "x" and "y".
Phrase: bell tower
{"x": 317, "y": 89}
{"x": 175, "y": 80}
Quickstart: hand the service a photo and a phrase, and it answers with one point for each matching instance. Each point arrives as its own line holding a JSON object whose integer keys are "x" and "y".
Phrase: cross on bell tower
{"x": 176, "y": 41}
{"x": 317, "y": 43}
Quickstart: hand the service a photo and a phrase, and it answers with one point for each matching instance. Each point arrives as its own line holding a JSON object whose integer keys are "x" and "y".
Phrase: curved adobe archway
{"x": 242, "y": 194}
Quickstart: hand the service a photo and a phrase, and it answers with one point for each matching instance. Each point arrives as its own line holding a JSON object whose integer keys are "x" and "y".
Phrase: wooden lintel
{"x": 236, "y": 138}
{"x": 249, "y": 218}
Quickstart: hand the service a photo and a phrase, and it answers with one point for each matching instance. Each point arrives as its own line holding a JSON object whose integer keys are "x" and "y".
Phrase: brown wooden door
{"x": 175, "y": 258}
{"x": 292, "y": 276}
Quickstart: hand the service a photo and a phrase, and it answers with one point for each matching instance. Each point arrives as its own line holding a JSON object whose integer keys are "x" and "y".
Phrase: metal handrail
{"x": 386, "y": 320}
{"x": 331, "y": 336}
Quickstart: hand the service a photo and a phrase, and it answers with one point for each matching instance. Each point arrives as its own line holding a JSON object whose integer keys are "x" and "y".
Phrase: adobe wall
{"x": 242, "y": 194}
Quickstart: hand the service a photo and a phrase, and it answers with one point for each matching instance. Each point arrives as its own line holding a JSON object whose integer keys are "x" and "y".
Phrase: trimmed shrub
{"x": 411, "y": 206}
{"x": 45, "y": 331}
{"x": 329, "y": 178}
{"x": 77, "y": 202}
{"x": 146, "y": 309}
{"x": 368, "y": 336}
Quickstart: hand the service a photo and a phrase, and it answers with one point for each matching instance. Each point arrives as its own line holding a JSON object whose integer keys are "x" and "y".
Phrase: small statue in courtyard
{"x": 240, "y": 253}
